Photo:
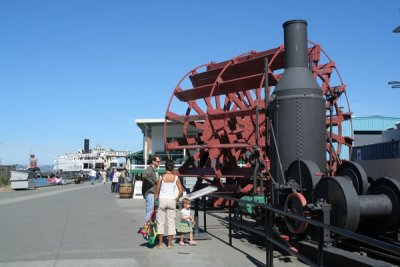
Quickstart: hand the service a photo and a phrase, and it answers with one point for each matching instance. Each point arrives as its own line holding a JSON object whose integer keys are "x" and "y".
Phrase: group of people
{"x": 167, "y": 190}
{"x": 97, "y": 176}
{"x": 116, "y": 178}
{"x": 55, "y": 180}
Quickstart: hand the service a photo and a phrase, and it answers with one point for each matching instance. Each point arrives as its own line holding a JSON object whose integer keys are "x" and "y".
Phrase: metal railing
{"x": 270, "y": 241}
{"x": 144, "y": 166}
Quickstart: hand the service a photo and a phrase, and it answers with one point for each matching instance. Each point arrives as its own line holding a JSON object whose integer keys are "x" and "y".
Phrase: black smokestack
{"x": 298, "y": 109}
{"x": 295, "y": 32}
{"x": 86, "y": 146}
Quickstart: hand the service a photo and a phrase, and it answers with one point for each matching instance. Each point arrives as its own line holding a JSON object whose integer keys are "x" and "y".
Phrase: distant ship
{"x": 87, "y": 159}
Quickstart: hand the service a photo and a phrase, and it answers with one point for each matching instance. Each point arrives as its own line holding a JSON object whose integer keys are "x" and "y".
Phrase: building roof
{"x": 369, "y": 123}
{"x": 374, "y": 123}
{"x": 142, "y": 123}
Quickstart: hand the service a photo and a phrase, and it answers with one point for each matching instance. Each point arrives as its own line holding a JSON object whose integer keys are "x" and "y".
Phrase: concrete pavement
{"x": 86, "y": 225}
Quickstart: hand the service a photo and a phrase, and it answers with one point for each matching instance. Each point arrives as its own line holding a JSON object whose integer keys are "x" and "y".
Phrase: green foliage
{"x": 4, "y": 181}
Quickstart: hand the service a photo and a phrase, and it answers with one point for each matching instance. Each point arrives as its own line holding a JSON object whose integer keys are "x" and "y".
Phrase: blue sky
{"x": 75, "y": 69}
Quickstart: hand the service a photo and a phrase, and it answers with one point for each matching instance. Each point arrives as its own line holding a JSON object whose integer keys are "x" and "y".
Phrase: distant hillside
{"x": 43, "y": 168}
{"x": 20, "y": 167}
{"x": 46, "y": 168}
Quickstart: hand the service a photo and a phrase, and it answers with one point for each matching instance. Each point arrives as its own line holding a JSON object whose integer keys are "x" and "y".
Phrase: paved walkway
{"x": 213, "y": 252}
{"x": 90, "y": 226}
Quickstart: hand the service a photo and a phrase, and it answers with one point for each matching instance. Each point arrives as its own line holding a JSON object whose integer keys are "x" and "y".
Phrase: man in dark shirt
{"x": 110, "y": 177}
{"x": 150, "y": 179}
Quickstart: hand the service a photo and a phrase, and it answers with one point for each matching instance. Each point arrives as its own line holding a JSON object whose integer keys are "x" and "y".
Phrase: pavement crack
{"x": 62, "y": 237}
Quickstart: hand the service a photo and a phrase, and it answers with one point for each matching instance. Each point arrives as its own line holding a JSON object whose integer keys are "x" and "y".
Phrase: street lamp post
{"x": 394, "y": 84}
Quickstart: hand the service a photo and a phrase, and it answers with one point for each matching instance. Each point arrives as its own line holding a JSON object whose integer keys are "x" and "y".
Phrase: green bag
{"x": 149, "y": 230}
{"x": 152, "y": 236}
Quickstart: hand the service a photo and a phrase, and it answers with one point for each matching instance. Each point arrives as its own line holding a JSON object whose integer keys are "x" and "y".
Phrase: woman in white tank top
{"x": 165, "y": 192}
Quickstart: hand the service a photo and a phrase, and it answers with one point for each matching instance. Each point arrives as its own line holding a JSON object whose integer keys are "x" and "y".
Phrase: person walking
{"x": 110, "y": 177}
{"x": 103, "y": 175}
{"x": 166, "y": 194}
{"x": 81, "y": 177}
{"x": 98, "y": 176}
{"x": 150, "y": 179}
{"x": 92, "y": 174}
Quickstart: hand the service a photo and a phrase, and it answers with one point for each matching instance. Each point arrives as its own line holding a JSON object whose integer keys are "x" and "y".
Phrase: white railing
{"x": 162, "y": 167}
{"x": 117, "y": 153}
{"x": 143, "y": 166}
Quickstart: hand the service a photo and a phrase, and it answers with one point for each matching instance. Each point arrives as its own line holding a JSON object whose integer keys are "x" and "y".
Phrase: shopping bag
{"x": 149, "y": 230}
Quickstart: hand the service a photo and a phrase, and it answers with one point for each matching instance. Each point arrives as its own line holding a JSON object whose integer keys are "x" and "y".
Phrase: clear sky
{"x": 76, "y": 69}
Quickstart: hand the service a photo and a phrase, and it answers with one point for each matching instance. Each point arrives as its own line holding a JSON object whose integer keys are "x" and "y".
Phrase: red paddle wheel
{"x": 216, "y": 105}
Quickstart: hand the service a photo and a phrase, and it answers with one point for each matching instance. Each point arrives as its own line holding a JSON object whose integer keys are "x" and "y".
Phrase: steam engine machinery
{"x": 268, "y": 126}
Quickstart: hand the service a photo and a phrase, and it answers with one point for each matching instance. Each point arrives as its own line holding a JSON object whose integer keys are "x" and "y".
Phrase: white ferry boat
{"x": 87, "y": 159}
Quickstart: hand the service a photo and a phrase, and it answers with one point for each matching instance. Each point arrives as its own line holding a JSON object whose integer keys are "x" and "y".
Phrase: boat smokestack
{"x": 86, "y": 147}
